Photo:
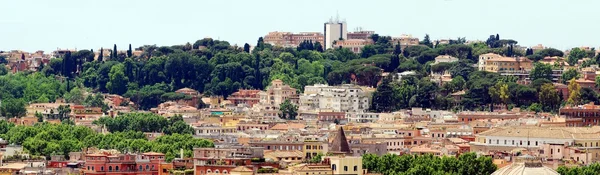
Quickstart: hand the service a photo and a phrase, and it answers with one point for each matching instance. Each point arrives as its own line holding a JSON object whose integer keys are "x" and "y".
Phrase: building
{"x": 588, "y": 113}
{"x": 508, "y": 64}
{"x": 277, "y": 93}
{"x": 362, "y": 117}
{"x": 360, "y": 34}
{"x": 445, "y": 59}
{"x": 223, "y": 160}
{"x": 288, "y": 39}
{"x": 344, "y": 98}
{"x": 245, "y": 96}
{"x": 345, "y": 165}
{"x": 405, "y": 40}
{"x": 481, "y": 64}
{"x": 123, "y": 164}
{"x": 525, "y": 164}
{"x": 331, "y": 116}
{"x": 335, "y": 29}
{"x": 355, "y": 45}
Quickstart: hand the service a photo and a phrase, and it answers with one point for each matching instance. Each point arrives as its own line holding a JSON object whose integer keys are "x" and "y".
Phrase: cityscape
{"x": 337, "y": 101}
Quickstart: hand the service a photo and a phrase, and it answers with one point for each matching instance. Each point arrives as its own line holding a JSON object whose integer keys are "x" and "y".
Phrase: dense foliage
{"x": 60, "y": 139}
{"x": 391, "y": 164}
{"x": 145, "y": 122}
{"x": 584, "y": 170}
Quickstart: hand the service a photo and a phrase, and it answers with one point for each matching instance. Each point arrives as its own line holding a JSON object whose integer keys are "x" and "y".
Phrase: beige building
{"x": 277, "y": 93}
{"x": 405, "y": 40}
{"x": 508, "y": 64}
{"x": 481, "y": 64}
{"x": 355, "y": 45}
{"x": 288, "y": 39}
{"x": 346, "y": 165}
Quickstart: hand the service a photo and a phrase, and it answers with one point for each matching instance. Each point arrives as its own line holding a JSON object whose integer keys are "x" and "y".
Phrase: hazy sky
{"x": 47, "y": 24}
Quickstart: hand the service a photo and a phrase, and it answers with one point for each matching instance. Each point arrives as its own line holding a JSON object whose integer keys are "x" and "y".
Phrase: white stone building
{"x": 344, "y": 98}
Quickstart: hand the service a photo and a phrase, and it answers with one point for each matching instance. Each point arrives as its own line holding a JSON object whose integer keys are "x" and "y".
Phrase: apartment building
{"x": 508, "y": 64}
{"x": 481, "y": 64}
{"x": 122, "y": 164}
{"x": 355, "y": 45}
{"x": 277, "y": 93}
{"x": 405, "y": 40}
{"x": 245, "y": 96}
{"x": 588, "y": 113}
{"x": 344, "y": 98}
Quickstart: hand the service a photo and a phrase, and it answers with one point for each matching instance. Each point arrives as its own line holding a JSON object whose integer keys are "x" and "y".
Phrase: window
{"x": 216, "y": 171}
{"x": 147, "y": 167}
{"x": 101, "y": 168}
{"x": 224, "y": 171}
{"x": 88, "y": 167}
{"x": 333, "y": 167}
{"x": 152, "y": 166}
{"x": 93, "y": 169}
{"x": 355, "y": 168}
{"x": 116, "y": 168}
{"x": 109, "y": 168}
{"x": 345, "y": 168}
{"x": 140, "y": 168}
{"x": 558, "y": 151}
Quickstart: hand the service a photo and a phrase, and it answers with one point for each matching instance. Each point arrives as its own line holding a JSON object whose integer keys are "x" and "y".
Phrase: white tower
{"x": 335, "y": 30}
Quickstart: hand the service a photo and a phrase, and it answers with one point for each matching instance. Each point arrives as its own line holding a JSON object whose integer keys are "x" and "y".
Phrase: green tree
{"x": 575, "y": 55}
{"x": 101, "y": 55}
{"x": 118, "y": 80}
{"x": 569, "y": 75}
{"x": 426, "y": 41}
{"x": 574, "y": 93}
{"x": 12, "y": 108}
{"x": 130, "y": 52}
{"x": 287, "y": 110}
{"x": 549, "y": 97}
{"x": 247, "y": 48}
{"x": 541, "y": 70}
{"x": 114, "y": 52}
{"x": 74, "y": 96}
{"x": 383, "y": 98}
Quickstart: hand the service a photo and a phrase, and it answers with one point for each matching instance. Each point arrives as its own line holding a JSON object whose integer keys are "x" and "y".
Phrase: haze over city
{"x": 47, "y": 25}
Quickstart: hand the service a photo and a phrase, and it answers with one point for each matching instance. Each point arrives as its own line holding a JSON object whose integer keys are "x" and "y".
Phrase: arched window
{"x": 345, "y": 168}
{"x": 208, "y": 171}
{"x": 140, "y": 167}
{"x": 216, "y": 171}
{"x": 333, "y": 167}
{"x": 152, "y": 166}
{"x": 93, "y": 169}
{"x": 225, "y": 172}
{"x": 109, "y": 168}
{"x": 88, "y": 167}
{"x": 355, "y": 168}
{"x": 116, "y": 168}
{"x": 147, "y": 167}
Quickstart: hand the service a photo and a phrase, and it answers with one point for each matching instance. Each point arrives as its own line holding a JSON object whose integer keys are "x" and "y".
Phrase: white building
{"x": 334, "y": 30}
{"x": 445, "y": 59}
{"x": 361, "y": 117}
{"x": 344, "y": 98}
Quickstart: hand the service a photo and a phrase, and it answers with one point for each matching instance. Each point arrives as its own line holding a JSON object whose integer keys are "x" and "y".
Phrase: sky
{"x": 32, "y": 25}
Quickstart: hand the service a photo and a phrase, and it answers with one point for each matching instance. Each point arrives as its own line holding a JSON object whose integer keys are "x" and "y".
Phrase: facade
{"x": 588, "y": 113}
{"x": 362, "y": 117}
{"x": 346, "y": 165}
{"x": 123, "y": 164}
{"x": 361, "y": 35}
{"x": 244, "y": 96}
{"x": 445, "y": 59}
{"x": 508, "y": 64}
{"x": 331, "y": 116}
{"x": 288, "y": 39}
{"x": 405, "y": 40}
{"x": 355, "y": 45}
{"x": 335, "y": 30}
{"x": 481, "y": 64}
{"x": 277, "y": 93}
{"x": 344, "y": 98}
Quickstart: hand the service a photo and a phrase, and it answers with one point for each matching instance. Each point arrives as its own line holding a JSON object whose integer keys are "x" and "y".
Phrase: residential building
{"x": 467, "y": 117}
{"x": 362, "y": 117}
{"x": 508, "y": 64}
{"x": 331, "y": 116}
{"x": 589, "y": 113}
{"x": 288, "y": 39}
{"x": 335, "y": 30}
{"x": 245, "y": 96}
{"x": 525, "y": 164}
{"x": 344, "y": 98}
{"x": 223, "y": 160}
{"x": 344, "y": 165}
{"x": 277, "y": 93}
{"x": 123, "y": 164}
{"x": 445, "y": 59}
{"x": 481, "y": 64}
{"x": 405, "y": 40}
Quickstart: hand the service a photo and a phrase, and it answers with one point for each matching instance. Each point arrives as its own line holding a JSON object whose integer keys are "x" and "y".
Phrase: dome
{"x": 525, "y": 165}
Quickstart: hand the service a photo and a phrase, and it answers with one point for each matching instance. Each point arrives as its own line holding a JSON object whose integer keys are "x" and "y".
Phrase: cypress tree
{"x": 101, "y": 55}
{"x": 114, "y": 52}
{"x": 130, "y": 52}
{"x": 247, "y": 48}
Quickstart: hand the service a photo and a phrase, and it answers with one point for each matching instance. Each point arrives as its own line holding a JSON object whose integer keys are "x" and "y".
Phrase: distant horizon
{"x": 70, "y": 24}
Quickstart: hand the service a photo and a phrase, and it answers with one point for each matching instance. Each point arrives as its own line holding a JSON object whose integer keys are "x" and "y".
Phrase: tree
{"x": 130, "y": 52}
{"x": 569, "y": 75}
{"x": 575, "y": 55}
{"x": 118, "y": 80}
{"x": 541, "y": 70}
{"x": 549, "y": 97}
{"x": 39, "y": 117}
{"x": 426, "y": 41}
{"x": 383, "y": 98}
{"x": 114, "y": 52}
{"x": 101, "y": 55}
{"x": 574, "y": 93}
{"x": 12, "y": 108}
{"x": 247, "y": 48}
{"x": 288, "y": 110}
{"x": 74, "y": 96}
{"x": 318, "y": 47}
